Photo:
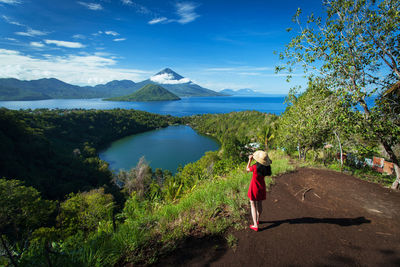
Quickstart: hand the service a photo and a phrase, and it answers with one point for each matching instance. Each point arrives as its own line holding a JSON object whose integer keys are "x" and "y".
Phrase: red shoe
{"x": 253, "y": 228}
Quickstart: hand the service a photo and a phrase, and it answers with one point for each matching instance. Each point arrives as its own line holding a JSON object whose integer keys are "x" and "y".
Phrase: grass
{"x": 232, "y": 241}
{"x": 280, "y": 162}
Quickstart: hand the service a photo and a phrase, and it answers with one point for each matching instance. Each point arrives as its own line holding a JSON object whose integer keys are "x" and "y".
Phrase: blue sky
{"x": 216, "y": 44}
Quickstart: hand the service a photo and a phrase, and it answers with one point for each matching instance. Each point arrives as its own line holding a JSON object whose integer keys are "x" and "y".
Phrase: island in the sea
{"x": 149, "y": 92}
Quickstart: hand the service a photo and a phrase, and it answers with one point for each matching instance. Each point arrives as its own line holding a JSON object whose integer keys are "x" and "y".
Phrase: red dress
{"x": 257, "y": 189}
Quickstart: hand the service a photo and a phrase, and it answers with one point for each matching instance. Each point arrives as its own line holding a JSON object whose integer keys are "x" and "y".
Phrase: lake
{"x": 186, "y": 107}
{"x": 165, "y": 148}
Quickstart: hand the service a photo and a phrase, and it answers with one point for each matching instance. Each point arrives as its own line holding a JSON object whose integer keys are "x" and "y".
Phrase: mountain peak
{"x": 170, "y": 73}
{"x": 168, "y": 76}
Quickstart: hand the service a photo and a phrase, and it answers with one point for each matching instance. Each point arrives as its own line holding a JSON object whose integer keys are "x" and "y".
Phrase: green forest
{"x": 60, "y": 205}
{"x": 149, "y": 92}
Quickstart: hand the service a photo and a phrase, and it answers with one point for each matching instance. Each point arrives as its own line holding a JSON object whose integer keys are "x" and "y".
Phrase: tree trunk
{"x": 395, "y": 161}
{"x": 341, "y": 151}
{"x": 48, "y": 256}
{"x": 315, "y": 154}
{"x": 396, "y": 182}
{"x": 305, "y": 154}
{"x": 299, "y": 151}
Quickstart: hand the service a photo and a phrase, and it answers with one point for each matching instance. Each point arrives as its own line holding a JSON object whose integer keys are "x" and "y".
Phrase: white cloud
{"x": 186, "y": 12}
{"x": 11, "y": 39}
{"x": 138, "y": 7}
{"x": 235, "y": 85}
{"x": 158, "y": 20}
{"x": 32, "y": 33}
{"x": 79, "y": 36}
{"x": 65, "y": 43}
{"x": 91, "y": 6}
{"x": 11, "y": 21}
{"x": 11, "y": 2}
{"x": 243, "y": 69}
{"x": 88, "y": 69}
{"x": 127, "y": 2}
{"x": 250, "y": 73}
{"x": 111, "y": 33}
{"x": 119, "y": 39}
{"x": 168, "y": 78}
{"x": 220, "y": 69}
{"x": 97, "y": 33}
{"x": 37, "y": 44}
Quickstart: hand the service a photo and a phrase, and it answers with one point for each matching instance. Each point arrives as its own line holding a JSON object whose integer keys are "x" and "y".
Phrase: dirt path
{"x": 342, "y": 221}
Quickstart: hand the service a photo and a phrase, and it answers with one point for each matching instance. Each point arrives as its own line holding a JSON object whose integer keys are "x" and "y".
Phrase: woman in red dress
{"x": 257, "y": 189}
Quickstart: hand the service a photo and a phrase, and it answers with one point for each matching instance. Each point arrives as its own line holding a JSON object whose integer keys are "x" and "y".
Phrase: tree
{"x": 355, "y": 49}
{"x": 84, "y": 211}
{"x": 268, "y": 134}
{"x": 232, "y": 148}
{"x": 309, "y": 119}
{"x": 388, "y": 114}
{"x": 137, "y": 179}
{"x": 21, "y": 212}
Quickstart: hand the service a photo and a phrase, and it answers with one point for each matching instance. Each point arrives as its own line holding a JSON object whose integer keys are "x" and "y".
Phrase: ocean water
{"x": 185, "y": 107}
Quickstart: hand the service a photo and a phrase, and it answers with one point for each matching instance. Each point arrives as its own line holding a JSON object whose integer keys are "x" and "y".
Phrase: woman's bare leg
{"x": 259, "y": 209}
{"x": 254, "y": 212}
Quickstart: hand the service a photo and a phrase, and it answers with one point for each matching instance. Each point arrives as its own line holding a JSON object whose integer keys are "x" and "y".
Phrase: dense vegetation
{"x": 150, "y": 92}
{"x": 353, "y": 53}
{"x": 236, "y": 130}
{"x": 55, "y": 150}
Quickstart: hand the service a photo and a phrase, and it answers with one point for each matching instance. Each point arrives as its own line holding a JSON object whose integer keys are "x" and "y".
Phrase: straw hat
{"x": 262, "y": 157}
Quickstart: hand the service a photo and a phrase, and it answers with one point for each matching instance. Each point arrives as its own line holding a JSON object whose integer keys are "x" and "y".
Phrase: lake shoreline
{"x": 171, "y": 147}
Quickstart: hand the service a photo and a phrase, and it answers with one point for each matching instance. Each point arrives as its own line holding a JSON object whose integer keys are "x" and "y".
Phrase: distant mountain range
{"x": 149, "y": 92}
{"x": 14, "y": 89}
{"x": 241, "y": 92}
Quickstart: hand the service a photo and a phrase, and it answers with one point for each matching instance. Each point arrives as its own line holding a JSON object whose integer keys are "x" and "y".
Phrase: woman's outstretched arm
{"x": 248, "y": 163}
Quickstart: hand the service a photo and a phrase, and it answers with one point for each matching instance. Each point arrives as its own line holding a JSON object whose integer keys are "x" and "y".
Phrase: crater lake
{"x": 165, "y": 148}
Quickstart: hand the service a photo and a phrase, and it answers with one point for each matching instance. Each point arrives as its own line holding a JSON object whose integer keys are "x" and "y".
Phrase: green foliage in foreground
{"x": 145, "y": 229}
{"x": 21, "y": 211}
